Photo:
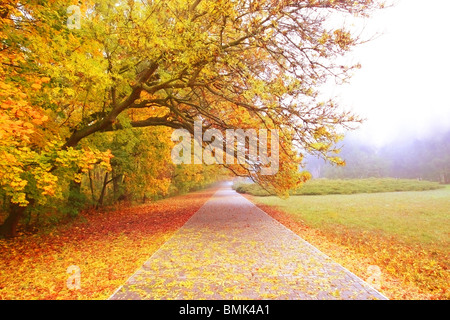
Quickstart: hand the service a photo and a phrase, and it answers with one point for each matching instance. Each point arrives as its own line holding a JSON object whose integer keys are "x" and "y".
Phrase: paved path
{"x": 230, "y": 249}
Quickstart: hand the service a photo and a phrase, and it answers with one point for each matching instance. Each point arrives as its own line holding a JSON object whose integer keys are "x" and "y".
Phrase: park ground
{"x": 405, "y": 234}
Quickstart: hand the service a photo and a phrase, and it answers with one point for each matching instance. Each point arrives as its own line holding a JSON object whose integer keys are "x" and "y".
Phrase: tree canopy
{"x": 236, "y": 64}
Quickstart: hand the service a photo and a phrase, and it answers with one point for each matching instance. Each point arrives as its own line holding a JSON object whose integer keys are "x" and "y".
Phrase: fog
{"x": 402, "y": 92}
{"x": 402, "y": 88}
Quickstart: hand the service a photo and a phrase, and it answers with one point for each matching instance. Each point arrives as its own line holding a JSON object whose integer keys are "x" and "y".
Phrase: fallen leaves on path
{"x": 407, "y": 272}
{"x": 231, "y": 250}
{"x": 107, "y": 247}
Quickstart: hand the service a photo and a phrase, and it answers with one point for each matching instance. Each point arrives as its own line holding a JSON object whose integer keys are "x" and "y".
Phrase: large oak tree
{"x": 234, "y": 64}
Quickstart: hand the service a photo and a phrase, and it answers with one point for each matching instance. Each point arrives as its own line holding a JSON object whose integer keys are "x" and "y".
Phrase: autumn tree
{"x": 237, "y": 64}
{"x": 34, "y": 161}
{"x": 142, "y": 168}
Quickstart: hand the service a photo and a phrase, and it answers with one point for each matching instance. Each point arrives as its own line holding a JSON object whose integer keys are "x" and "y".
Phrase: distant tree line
{"x": 425, "y": 159}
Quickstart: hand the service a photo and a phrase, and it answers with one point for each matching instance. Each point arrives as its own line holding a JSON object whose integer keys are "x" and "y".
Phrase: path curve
{"x": 231, "y": 249}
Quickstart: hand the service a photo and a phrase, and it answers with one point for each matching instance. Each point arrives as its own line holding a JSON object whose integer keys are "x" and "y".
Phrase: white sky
{"x": 403, "y": 87}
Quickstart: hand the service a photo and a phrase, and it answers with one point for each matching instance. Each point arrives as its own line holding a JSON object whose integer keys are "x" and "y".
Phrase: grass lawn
{"x": 346, "y": 186}
{"x": 406, "y": 234}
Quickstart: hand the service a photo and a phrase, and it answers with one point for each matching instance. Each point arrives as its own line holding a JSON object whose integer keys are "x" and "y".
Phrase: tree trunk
{"x": 91, "y": 184}
{"x": 116, "y": 179}
{"x": 102, "y": 194}
{"x": 9, "y": 227}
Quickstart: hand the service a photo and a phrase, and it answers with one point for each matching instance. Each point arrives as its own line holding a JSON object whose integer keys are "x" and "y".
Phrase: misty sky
{"x": 403, "y": 87}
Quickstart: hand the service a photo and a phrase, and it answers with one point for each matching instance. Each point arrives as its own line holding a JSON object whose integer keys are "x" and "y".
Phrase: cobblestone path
{"x": 230, "y": 249}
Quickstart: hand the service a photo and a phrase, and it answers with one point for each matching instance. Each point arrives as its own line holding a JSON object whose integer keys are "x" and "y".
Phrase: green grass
{"x": 419, "y": 217}
{"x": 347, "y": 186}
{"x": 406, "y": 234}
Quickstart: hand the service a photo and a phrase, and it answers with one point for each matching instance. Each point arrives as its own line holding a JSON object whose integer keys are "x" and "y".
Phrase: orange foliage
{"x": 107, "y": 246}
{"x": 406, "y": 270}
